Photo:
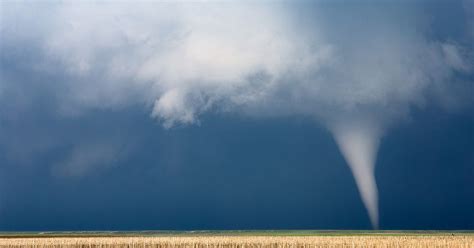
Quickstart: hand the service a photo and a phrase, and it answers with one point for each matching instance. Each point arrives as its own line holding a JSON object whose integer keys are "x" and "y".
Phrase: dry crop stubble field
{"x": 242, "y": 241}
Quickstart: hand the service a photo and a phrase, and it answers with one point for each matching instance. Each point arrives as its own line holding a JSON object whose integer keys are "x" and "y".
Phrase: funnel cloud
{"x": 359, "y": 144}
{"x": 358, "y": 69}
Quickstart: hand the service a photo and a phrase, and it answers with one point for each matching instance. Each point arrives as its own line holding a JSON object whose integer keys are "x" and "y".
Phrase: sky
{"x": 236, "y": 115}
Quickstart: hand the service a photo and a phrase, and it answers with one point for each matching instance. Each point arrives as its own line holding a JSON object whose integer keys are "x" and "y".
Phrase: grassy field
{"x": 240, "y": 239}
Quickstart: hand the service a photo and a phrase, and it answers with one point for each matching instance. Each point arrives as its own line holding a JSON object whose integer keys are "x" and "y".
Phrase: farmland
{"x": 230, "y": 239}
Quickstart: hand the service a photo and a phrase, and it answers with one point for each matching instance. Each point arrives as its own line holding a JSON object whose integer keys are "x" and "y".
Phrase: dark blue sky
{"x": 125, "y": 116}
{"x": 234, "y": 173}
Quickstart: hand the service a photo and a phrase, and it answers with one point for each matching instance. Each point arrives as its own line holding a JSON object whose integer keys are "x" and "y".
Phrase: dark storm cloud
{"x": 356, "y": 67}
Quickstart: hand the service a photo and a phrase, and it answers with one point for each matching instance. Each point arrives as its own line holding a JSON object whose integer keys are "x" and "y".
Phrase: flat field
{"x": 239, "y": 239}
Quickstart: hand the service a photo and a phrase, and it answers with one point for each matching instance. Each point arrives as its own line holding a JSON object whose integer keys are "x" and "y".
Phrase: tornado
{"x": 358, "y": 143}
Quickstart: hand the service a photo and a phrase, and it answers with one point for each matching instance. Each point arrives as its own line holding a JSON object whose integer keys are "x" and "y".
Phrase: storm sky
{"x": 236, "y": 115}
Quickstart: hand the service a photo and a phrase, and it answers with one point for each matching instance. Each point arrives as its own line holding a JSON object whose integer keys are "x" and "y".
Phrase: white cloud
{"x": 186, "y": 57}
